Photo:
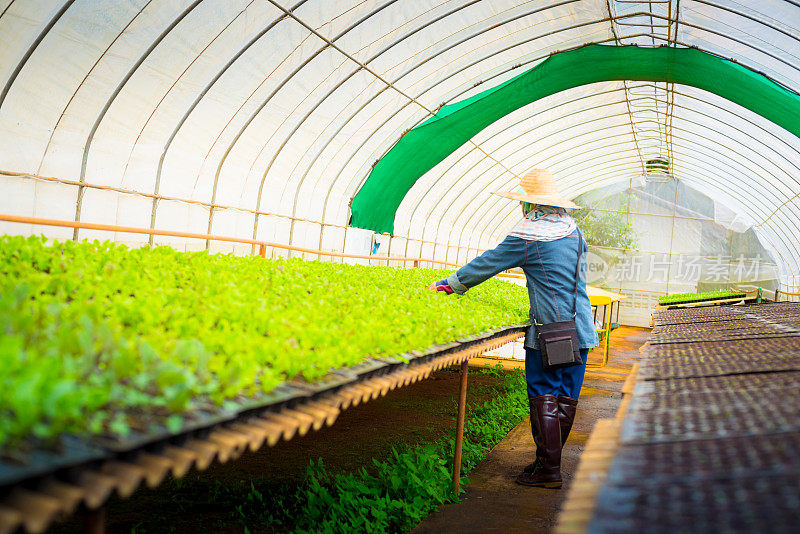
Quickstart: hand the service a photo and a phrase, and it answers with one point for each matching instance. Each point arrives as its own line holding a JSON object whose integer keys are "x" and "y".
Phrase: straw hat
{"x": 539, "y": 187}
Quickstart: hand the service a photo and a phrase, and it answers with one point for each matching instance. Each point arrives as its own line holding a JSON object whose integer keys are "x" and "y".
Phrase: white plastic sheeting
{"x": 685, "y": 242}
{"x": 231, "y": 117}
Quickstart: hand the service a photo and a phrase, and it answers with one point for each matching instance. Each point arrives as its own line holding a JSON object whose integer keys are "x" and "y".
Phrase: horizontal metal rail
{"x": 263, "y": 245}
{"x": 121, "y": 190}
{"x": 193, "y": 235}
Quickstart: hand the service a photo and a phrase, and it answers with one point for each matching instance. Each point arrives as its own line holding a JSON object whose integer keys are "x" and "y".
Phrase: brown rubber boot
{"x": 532, "y": 466}
{"x": 547, "y": 435}
{"x": 566, "y": 416}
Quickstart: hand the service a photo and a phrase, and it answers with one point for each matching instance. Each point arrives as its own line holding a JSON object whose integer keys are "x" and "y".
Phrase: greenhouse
{"x": 288, "y": 266}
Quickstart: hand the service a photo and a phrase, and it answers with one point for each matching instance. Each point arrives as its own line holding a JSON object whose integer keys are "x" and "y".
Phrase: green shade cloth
{"x": 422, "y": 148}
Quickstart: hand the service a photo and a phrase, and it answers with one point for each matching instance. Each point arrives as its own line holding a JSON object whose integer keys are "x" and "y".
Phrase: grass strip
{"x": 682, "y": 298}
{"x": 401, "y": 490}
{"x": 388, "y": 494}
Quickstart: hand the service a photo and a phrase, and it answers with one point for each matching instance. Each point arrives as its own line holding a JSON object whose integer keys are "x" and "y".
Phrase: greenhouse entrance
{"x": 380, "y": 265}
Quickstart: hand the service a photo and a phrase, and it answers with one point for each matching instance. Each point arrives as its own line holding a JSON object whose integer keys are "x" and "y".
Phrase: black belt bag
{"x": 558, "y": 342}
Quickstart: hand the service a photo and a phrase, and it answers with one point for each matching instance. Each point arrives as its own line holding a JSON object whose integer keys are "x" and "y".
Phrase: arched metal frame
{"x": 700, "y": 125}
{"x": 509, "y": 217}
{"x": 577, "y": 125}
{"x": 458, "y": 243}
{"x": 508, "y": 211}
{"x": 360, "y": 176}
{"x": 374, "y": 130}
{"x": 766, "y": 147}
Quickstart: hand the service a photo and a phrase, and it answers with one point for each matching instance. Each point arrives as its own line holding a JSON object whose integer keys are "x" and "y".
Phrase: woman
{"x": 546, "y": 245}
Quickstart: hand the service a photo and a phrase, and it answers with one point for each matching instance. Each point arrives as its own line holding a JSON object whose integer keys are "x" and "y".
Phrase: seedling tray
{"x": 756, "y": 502}
{"x": 711, "y": 421}
{"x": 74, "y": 452}
{"x": 736, "y": 296}
{"x": 701, "y": 451}
{"x": 730, "y": 348}
{"x": 707, "y": 459}
{"x": 41, "y": 462}
{"x": 765, "y": 382}
{"x": 730, "y": 336}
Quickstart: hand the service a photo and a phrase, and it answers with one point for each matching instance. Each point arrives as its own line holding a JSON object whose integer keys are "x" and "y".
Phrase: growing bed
{"x": 106, "y": 350}
{"x": 102, "y": 339}
{"x": 706, "y": 296}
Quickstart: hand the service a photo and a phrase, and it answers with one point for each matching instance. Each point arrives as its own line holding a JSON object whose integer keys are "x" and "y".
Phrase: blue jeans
{"x": 566, "y": 381}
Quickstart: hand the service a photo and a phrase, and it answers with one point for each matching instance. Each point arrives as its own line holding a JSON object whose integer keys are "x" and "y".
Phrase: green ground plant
{"x": 97, "y": 338}
{"x": 410, "y": 484}
{"x": 610, "y": 226}
{"x": 386, "y": 495}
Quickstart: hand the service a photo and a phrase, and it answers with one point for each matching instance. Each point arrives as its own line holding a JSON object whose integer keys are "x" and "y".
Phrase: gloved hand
{"x": 441, "y": 285}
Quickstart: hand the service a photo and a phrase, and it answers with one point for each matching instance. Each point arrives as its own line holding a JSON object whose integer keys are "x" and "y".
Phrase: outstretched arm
{"x": 508, "y": 254}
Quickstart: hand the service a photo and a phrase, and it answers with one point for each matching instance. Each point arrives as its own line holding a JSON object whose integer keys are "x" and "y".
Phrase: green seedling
{"x": 98, "y": 338}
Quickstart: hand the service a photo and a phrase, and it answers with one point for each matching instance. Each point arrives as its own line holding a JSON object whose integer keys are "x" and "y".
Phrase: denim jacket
{"x": 549, "y": 268}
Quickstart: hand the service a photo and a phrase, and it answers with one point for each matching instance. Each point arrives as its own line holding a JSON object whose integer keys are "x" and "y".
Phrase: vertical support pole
{"x": 262, "y": 250}
{"x": 344, "y": 242}
{"x": 416, "y": 264}
{"x": 462, "y": 409}
{"x": 777, "y": 295}
{"x": 291, "y": 238}
{"x": 607, "y": 311}
{"x": 95, "y": 521}
{"x": 255, "y": 232}
{"x": 319, "y": 247}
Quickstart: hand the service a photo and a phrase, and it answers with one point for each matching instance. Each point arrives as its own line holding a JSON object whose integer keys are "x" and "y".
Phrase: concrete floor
{"x": 493, "y": 501}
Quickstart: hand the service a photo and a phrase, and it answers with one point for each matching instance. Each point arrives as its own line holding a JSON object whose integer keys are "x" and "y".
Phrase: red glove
{"x": 441, "y": 285}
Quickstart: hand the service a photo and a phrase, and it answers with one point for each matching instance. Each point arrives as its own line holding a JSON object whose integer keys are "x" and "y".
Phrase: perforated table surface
{"x": 710, "y": 440}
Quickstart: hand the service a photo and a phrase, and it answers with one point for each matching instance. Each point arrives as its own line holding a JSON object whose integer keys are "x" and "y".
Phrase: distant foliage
{"x": 97, "y": 338}
{"x": 413, "y": 482}
{"x": 603, "y": 228}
